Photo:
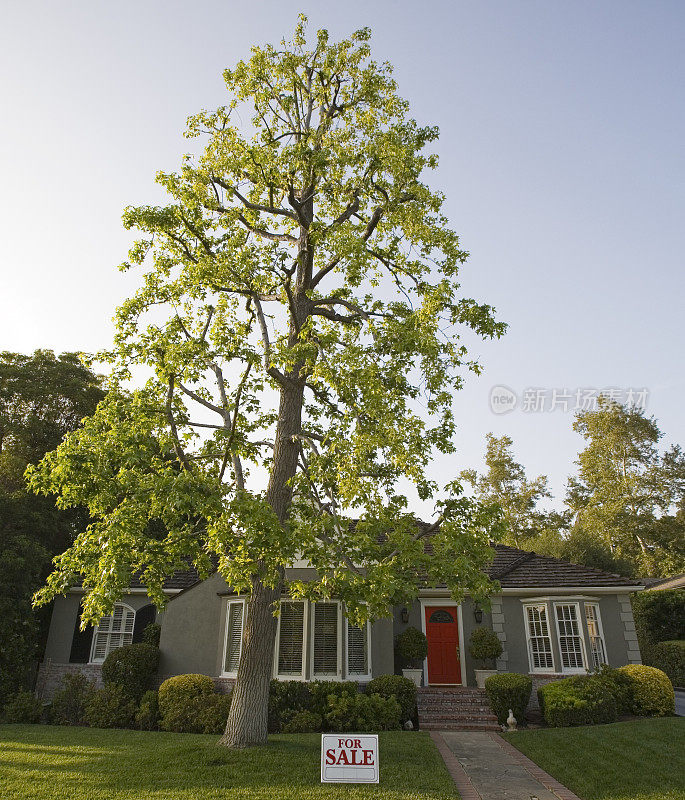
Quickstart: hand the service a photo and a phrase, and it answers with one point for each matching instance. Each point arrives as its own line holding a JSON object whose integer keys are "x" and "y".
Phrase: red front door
{"x": 442, "y": 632}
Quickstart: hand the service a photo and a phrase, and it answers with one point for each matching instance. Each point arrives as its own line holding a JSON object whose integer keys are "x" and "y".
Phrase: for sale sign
{"x": 349, "y": 758}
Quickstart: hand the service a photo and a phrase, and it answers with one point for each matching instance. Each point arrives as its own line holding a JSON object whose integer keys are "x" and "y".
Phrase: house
{"x": 663, "y": 584}
{"x": 554, "y": 619}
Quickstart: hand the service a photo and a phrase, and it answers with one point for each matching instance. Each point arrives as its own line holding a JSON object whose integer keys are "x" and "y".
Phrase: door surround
{"x": 446, "y": 602}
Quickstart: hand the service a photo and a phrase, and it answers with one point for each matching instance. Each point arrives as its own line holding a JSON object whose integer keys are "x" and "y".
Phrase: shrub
{"x": 619, "y": 685}
{"x": 580, "y": 700}
{"x": 362, "y": 712}
{"x": 287, "y": 698}
{"x": 109, "y": 707}
{"x": 508, "y": 690}
{"x": 68, "y": 703}
{"x": 652, "y": 691}
{"x": 23, "y": 707}
{"x": 411, "y": 645}
{"x": 670, "y": 657}
{"x": 321, "y": 691}
{"x": 659, "y": 616}
{"x": 402, "y": 689}
{"x": 151, "y": 634}
{"x": 147, "y": 716}
{"x": 212, "y": 712}
{"x": 132, "y": 668}
{"x": 178, "y": 702}
{"x": 484, "y": 645}
{"x": 303, "y": 722}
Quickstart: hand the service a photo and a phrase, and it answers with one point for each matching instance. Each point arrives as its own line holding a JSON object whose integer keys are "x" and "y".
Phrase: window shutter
{"x": 291, "y": 637}
{"x": 357, "y": 650}
{"x": 234, "y": 636}
{"x": 539, "y": 643}
{"x": 144, "y": 616}
{"x": 325, "y": 638}
{"x": 81, "y": 642}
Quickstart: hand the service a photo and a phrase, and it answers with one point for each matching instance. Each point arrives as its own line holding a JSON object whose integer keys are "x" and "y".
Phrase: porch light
{"x": 404, "y": 614}
{"x": 478, "y": 615}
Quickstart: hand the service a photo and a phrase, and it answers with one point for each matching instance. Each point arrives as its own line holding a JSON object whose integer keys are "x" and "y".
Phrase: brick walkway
{"x": 486, "y": 767}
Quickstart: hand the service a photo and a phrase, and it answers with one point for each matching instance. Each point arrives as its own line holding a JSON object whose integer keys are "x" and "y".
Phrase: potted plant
{"x": 412, "y": 646}
{"x": 484, "y": 647}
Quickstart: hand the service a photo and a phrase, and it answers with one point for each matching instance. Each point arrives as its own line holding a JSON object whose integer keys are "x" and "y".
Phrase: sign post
{"x": 349, "y": 758}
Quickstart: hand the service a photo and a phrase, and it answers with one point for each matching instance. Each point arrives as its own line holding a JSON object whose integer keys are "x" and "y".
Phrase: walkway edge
{"x": 455, "y": 769}
{"x": 539, "y": 774}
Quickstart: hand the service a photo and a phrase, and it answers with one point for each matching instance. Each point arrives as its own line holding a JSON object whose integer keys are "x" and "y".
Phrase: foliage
{"x": 619, "y": 685}
{"x": 579, "y": 547}
{"x": 212, "y": 712}
{"x": 659, "y": 616}
{"x": 321, "y": 692}
{"x": 411, "y": 645}
{"x": 182, "y": 702}
{"x": 653, "y": 694}
{"x": 24, "y": 708}
{"x": 287, "y": 698}
{"x": 147, "y": 715}
{"x": 152, "y": 633}
{"x": 670, "y": 657}
{"x": 399, "y": 687}
{"x": 131, "y": 667}
{"x": 109, "y": 707}
{"x": 509, "y": 690}
{"x": 362, "y": 712}
{"x": 303, "y": 722}
{"x": 579, "y": 700}
{"x": 484, "y": 645}
{"x": 69, "y": 702}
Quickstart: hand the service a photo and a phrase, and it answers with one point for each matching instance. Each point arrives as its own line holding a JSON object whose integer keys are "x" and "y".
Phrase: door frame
{"x": 445, "y": 602}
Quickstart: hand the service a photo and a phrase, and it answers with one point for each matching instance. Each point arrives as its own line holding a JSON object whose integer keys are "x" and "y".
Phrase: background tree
{"x": 42, "y": 397}
{"x": 300, "y": 318}
{"x": 627, "y": 494}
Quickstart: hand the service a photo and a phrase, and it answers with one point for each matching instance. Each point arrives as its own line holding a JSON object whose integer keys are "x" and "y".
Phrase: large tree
{"x": 299, "y": 320}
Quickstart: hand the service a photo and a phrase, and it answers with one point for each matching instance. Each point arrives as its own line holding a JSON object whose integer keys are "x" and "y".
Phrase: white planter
{"x": 482, "y": 675}
{"x": 413, "y": 675}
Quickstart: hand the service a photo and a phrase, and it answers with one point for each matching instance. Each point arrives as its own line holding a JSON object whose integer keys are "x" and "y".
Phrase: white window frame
{"x": 232, "y": 601}
{"x": 357, "y": 676}
{"x": 531, "y": 666}
{"x": 328, "y": 676}
{"x": 599, "y": 635}
{"x": 580, "y": 621}
{"x": 109, "y": 634}
{"x": 305, "y": 625}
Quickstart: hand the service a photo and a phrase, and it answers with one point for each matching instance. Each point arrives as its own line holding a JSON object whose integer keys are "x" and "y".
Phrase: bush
{"x": 109, "y": 707}
{"x": 580, "y": 700}
{"x": 508, "y": 690}
{"x": 484, "y": 645}
{"x": 659, "y": 616}
{"x": 212, "y": 712}
{"x": 362, "y": 712}
{"x": 670, "y": 657}
{"x": 303, "y": 722}
{"x": 151, "y": 634}
{"x": 132, "y": 668}
{"x": 402, "y": 689}
{"x": 287, "y": 698}
{"x": 652, "y": 691}
{"x": 69, "y": 702}
{"x": 321, "y": 691}
{"x": 180, "y": 705}
{"x": 411, "y": 645}
{"x": 619, "y": 685}
{"x": 147, "y": 716}
{"x": 24, "y": 708}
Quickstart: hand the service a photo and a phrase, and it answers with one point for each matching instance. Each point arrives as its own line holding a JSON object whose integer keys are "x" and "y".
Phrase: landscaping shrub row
{"x": 660, "y": 623}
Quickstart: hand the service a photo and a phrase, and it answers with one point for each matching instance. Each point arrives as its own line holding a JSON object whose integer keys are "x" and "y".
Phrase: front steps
{"x": 455, "y": 708}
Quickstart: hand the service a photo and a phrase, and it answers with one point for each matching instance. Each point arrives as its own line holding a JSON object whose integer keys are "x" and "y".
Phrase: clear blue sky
{"x": 562, "y": 158}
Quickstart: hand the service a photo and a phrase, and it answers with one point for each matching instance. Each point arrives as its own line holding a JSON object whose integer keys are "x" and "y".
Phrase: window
{"x": 570, "y": 637}
{"x": 291, "y": 638}
{"x": 539, "y": 642}
{"x": 358, "y": 649}
{"x": 234, "y": 635}
{"x": 325, "y": 634}
{"x": 594, "y": 629}
{"x": 113, "y": 631}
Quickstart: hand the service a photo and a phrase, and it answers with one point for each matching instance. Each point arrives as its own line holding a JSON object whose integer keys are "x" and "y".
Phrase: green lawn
{"x": 637, "y": 760}
{"x": 41, "y": 762}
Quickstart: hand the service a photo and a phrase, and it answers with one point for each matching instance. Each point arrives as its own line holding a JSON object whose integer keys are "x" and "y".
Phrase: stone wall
{"x": 50, "y": 674}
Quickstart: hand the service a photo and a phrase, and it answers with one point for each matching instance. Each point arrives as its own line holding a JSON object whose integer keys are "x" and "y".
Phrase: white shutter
{"x": 357, "y": 649}
{"x": 539, "y": 642}
{"x": 594, "y": 629}
{"x": 570, "y": 644}
{"x": 234, "y": 636}
{"x": 291, "y": 638}
{"x": 325, "y": 638}
{"x": 113, "y": 631}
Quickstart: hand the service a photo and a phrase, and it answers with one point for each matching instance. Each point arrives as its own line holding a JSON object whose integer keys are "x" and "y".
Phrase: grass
{"x": 41, "y": 762}
{"x": 636, "y": 760}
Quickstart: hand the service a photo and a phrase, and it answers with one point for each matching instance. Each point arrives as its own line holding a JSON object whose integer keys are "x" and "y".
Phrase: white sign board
{"x": 349, "y": 758}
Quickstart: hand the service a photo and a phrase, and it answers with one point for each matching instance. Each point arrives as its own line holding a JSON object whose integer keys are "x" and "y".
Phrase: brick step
{"x": 425, "y": 702}
{"x": 456, "y": 726}
{"x": 450, "y": 690}
{"x": 451, "y": 712}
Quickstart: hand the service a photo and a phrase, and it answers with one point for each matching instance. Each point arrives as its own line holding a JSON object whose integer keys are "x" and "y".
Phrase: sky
{"x": 561, "y": 158}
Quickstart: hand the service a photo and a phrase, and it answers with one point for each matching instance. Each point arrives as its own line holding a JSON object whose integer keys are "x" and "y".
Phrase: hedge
{"x": 399, "y": 687}
{"x": 132, "y": 668}
{"x": 659, "y": 616}
{"x": 669, "y": 656}
{"x": 509, "y": 690}
{"x": 362, "y": 712}
{"x": 23, "y": 707}
{"x": 580, "y": 700}
{"x": 652, "y": 691}
{"x": 181, "y": 703}
{"x": 109, "y": 707}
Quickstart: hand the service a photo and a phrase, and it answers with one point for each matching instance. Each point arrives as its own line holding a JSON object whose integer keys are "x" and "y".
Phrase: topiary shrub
{"x": 132, "y": 668}
{"x": 670, "y": 657}
{"x": 147, "y": 716}
{"x": 619, "y": 685}
{"x": 485, "y": 646}
{"x": 69, "y": 702}
{"x": 580, "y": 700}
{"x": 412, "y": 646}
{"x": 23, "y": 708}
{"x": 399, "y": 687}
{"x": 652, "y": 691}
{"x": 109, "y": 707}
{"x": 303, "y": 722}
{"x": 287, "y": 698}
{"x": 178, "y": 702}
{"x": 508, "y": 690}
{"x": 212, "y": 712}
{"x": 362, "y": 712}
{"x": 320, "y": 692}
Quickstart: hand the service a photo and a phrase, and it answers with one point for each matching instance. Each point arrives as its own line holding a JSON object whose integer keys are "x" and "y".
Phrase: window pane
{"x": 596, "y": 641}
{"x": 234, "y": 636}
{"x": 290, "y": 639}
{"x": 357, "y": 650}
{"x": 325, "y": 638}
{"x": 539, "y": 643}
{"x": 570, "y": 644}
